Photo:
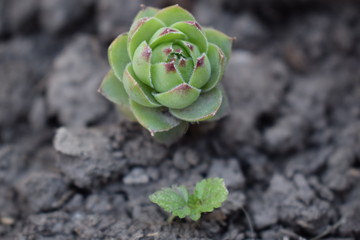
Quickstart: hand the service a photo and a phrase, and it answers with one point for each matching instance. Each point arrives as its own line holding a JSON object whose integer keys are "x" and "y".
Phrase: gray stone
{"x": 44, "y": 191}
{"x": 248, "y": 31}
{"x": 57, "y": 15}
{"x": 229, "y": 170}
{"x": 184, "y": 158}
{"x": 72, "y": 85}
{"x": 136, "y": 176}
{"x": 115, "y": 17}
{"x": 85, "y": 157}
{"x": 288, "y": 134}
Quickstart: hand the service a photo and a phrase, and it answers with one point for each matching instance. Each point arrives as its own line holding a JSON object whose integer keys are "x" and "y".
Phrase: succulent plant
{"x": 165, "y": 72}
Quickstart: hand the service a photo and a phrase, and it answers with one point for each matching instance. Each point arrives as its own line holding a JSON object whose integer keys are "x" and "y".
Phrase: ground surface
{"x": 72, "y": 168}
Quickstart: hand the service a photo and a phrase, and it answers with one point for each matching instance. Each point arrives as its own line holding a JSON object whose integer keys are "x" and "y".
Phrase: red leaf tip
{"x": 167, "y": 30}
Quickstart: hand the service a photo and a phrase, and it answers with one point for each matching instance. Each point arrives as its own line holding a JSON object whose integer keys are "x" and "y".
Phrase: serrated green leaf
{"x": 211, "y": 192}
{"x": 172, "y": 200}
{"x": 208, "y": 194}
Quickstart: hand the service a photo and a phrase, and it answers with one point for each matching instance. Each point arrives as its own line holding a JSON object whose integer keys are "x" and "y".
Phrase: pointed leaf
{"x": 138, "y": 91}
{"x": 142, "y": 30}
{"x": 190, "y": 48}
{"x": 172, "y": 135}
{"x": 141, "y": 63}
{"x": 186, "y": 68}
{"x": 201, "y": 72}
{"x": 154, "y": 119}
{"x": 166, "y": 34}
{"x": 211, "y": 192}
{"x": 173, "y": 14}
{"x": 165, "y": 76}
{"x": 217, "y": 62}
{"x": 146, "y": 12}
{"x": 203, "y": 109}
{"x": 118, "y": 55}
{"x": 194, "y": 33}
{"x": 172, "y": 200}
{"x": 114, "y": 90}
{"x": 223, "y": 41}
{"x": 161, "y": 53}
{"x": 179, "y": 97}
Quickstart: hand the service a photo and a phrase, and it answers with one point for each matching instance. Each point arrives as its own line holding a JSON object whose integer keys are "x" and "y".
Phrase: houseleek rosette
{"x": 165, "y": 72}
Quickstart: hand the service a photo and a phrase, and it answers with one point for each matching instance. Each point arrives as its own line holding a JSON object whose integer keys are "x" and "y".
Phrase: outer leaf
{"x": 224, "y": 108}
{"x": 203, "y": 109}
{"x": 211, "y": 192}
{"x": 179, "y": 97}
{"x": 138, "y": 91}
{"x": 217, "y": 62}
{"x": 142, "y": 30}
{"x": 194, "y": 33}
{"x": 201, "y": 72}
{"x": 114, "y": 90}
{"x": 146, "y": 12}
{"x": 173, "y": 134}
{"x": 220, "y": 39}
{"x": 173, "y": 14}
{"x": 141, "y": 63}
{"x": 165, "y": 76}
{"x": 118, "y": 55}
{"x": 172, "y": 200}
{"x": 154, "y": 119}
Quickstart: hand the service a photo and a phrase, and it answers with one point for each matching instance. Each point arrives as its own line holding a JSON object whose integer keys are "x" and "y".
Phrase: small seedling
{"x": 208, "y": 194}
{"x": 166, "y": 72}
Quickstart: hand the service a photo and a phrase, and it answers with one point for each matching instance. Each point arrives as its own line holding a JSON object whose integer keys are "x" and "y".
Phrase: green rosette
{"x": 166, "y": 71}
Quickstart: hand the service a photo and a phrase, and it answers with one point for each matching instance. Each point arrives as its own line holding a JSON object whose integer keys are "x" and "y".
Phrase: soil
{"x": 72, "y": 167}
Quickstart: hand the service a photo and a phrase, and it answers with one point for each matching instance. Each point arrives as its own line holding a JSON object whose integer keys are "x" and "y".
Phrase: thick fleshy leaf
{"x": 165, "y": 76}
{"x": 224, "y": 108}
{"x": 194, "y": 33}
{"x": 173, "y": 14}
{"x": 161, "y": 53}
{"x": 141, "y": 63}
{"x": 190, "y": 48}
{"x": 179, "y": 97}
{"x": 118, "y": 55}
{"x": 154, "y": 119}
{"x": 173, "y": 134}
{"x": 127, "y": 112}
{"x": 166, "y": 34}
{"x": 146, "y": 12}
{"x": 186, "y": 68}
{"x": 217, "y": 62}
{"x": 113, "y": 89}
{"x": 223, "y": 41}
{"x": 203, "y": 109}
{"x": 202, "y": 71}
{"x": 142, "y": 30}
{"x": 138, "y": 91}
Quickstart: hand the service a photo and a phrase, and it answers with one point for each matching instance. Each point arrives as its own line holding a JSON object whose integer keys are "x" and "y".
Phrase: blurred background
{"x": 289, "y": 151}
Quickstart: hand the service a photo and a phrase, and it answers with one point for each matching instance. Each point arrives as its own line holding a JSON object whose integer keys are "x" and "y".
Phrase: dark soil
{"x": 71, "y": 167}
